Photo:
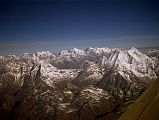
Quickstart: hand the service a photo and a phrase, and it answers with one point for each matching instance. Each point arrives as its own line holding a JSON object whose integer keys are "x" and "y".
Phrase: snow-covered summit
{"x": 76, "y": 51}
{"x": 45, "y": 53}
{"x": 133, "y": 61}
{"x": 71, "y": 53}
{"x": 93, "y": 51}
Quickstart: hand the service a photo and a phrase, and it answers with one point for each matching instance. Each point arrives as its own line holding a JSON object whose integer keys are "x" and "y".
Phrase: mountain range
{"x": 75, "y": 84}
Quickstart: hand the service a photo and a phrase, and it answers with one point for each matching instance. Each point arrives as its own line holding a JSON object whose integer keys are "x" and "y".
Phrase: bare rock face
{"x": 35, "y": 71}
{"x": 89, "y": 84}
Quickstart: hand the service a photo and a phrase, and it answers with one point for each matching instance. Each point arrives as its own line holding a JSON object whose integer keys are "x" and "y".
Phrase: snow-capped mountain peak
{"x": 132, "y": 61}
{"x": 45, "y": 53}
{"x": 96, "y": 50}
{"x": 77, "y": 51}
{"x": 136, "y": 54}
{"x": 71, "y": 53}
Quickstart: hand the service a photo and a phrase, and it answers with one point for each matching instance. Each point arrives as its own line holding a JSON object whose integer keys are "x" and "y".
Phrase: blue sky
{"x": 35, "y": 26}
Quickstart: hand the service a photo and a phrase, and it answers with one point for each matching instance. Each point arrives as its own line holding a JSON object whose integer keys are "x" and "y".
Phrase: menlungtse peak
{"x": 77, "y": 51}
